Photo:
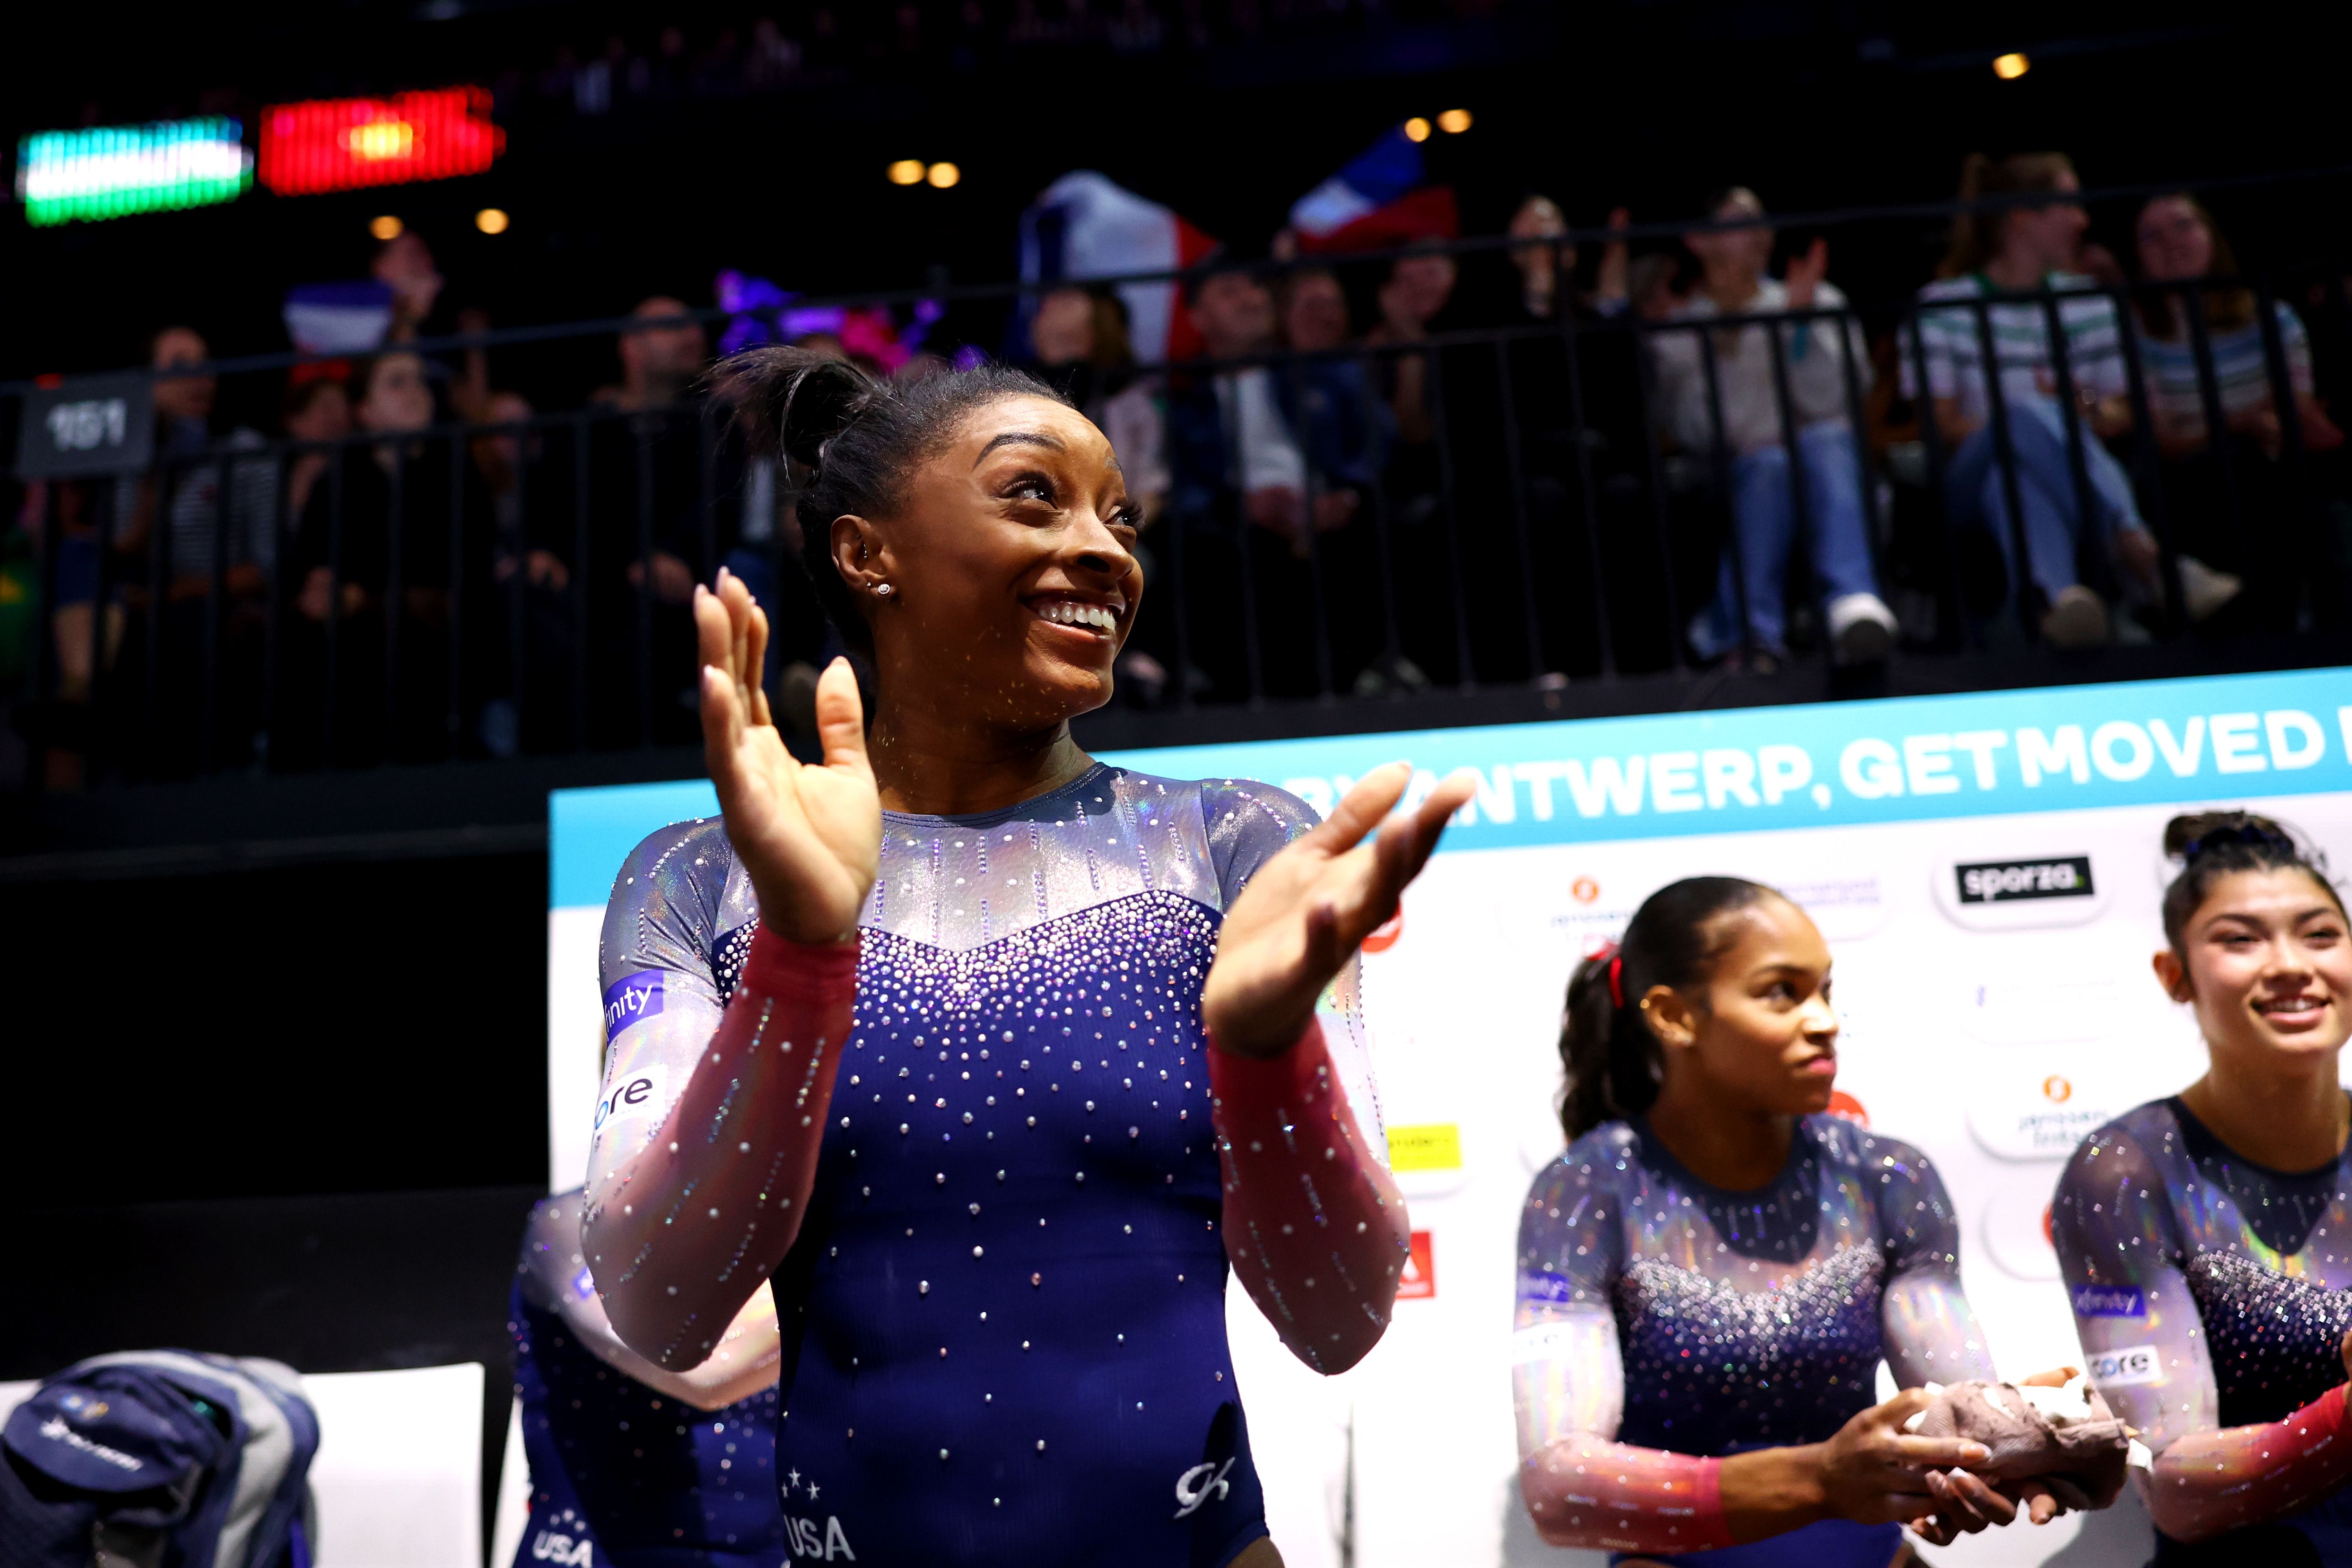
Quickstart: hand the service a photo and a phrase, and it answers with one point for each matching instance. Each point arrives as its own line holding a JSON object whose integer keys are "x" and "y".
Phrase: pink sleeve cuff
{"x": 1296, "y": 1074}
{"x": 801, "y": 971}
{"x": 1714, "y": 1530}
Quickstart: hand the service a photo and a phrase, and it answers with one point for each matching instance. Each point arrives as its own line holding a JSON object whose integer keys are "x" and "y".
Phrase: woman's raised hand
{"x": 1307, "y": 909}
{"x": 808, "y": 837}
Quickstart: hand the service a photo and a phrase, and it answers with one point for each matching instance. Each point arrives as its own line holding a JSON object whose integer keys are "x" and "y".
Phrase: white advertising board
{"x": 1985, "y": 867}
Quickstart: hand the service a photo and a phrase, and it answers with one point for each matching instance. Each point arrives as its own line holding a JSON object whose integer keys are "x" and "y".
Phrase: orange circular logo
{"x": 1385, "y": 935}
{"x": 2046, "y": 1235}
{"x": 2056, "y": 1090}
{"x": 1585, "y": 889}
{"x": 1845, "y": 1105}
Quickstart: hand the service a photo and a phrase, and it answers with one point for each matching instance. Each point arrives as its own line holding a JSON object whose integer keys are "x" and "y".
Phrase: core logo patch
{"x": 2125, "y": 1368}
{"x": 637, "y": 1092}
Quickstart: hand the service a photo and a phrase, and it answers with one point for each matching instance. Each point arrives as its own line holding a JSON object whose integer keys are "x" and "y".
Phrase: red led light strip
{"x": 344, "y": 144}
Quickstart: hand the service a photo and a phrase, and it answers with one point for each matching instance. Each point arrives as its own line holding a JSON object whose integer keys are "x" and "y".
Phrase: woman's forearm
{"x": 2210, "y": 1482}
{"x": 1589, "y": 1492}
{"x": 1314, "y": 1224}
{"x": 680, "y": 1236}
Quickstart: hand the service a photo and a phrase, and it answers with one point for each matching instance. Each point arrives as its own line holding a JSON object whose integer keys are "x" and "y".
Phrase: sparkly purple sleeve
{"x": 2122, "y": 1259}
{"x": 1582, "y": 1487}
{"x": 1931, "y": 1335}
{"x": 712, "y": 1118}
{"x": 555, "y": 1279}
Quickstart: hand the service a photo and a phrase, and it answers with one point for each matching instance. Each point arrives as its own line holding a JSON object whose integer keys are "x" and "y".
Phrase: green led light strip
{"x": 115, "y": 171}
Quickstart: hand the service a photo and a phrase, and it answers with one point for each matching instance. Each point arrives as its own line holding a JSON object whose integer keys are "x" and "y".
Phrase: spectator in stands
{"x": 1272, "y": 438}
{"x": 654, "y": 528}
{"x": 1742, "y": 422}
{"x": 657, "y": 365}
{"x": 1268, "y": 458}
{"x": 2178, "y": 244}
{"x": 373, "y": 557}
{"x": 315, "y": 409}
{"x": 1417, "y": 290}
{"x": 527, "y": 641}
{"x": 1545, "y": 264}
{"x": 212, "y": 498}
{"x": 403, "y": 264}
{"x": 1080, "y": 339}
{"x": 1314, "y": 310}
{"x": 2017, "y": 249}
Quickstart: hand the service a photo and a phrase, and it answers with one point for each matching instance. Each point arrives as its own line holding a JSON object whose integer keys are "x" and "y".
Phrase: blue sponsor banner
{"x": 2109, "y": 1302}
{"x": 631, "y": 998}
{"x": 1669, "y": 775}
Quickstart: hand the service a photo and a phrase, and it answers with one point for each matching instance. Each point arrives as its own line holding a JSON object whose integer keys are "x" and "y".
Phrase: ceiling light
{"x": 943, "y": 175}
{"x": 385, "y": 227}
{"x": 2009, "y": 68}
{"x": 1416, "y": 129}
{"x": 491, "y": 220}
{"x": 1453, "y": 121}
{"x": 906, "y": 171}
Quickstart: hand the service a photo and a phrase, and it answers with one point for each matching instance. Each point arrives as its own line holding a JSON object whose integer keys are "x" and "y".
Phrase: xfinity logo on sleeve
{"x": 2001, "y": 881}
{"x": 2124, "y": 1368}
{"x": 2109, "y": 1302}
{"x": 631, "y": 998}
{"x": 637, "y": 1092}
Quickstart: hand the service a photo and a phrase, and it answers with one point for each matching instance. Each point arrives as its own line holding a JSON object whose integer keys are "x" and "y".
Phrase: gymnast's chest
{"x": 1067, "y": 1051}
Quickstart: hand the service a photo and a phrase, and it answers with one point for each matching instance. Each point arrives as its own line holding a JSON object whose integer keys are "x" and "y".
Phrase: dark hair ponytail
{"x": 2211, "y": 845}
{"x": 1606, "y": 1047}
{"x": 850, "y": 439}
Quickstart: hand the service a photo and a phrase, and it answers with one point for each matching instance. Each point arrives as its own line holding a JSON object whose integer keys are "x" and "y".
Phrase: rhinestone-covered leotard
{"x": 2210, "y": 1294}
{"x": 1004, "y": 1313}
{"x": 1661, "y": 1318}
{"x": 620, "y": 1473}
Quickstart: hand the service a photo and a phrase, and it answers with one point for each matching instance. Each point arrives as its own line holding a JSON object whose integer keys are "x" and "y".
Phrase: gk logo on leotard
{"x": 2124, "y": 1368}
{"x": 629, "y": 999}
{"x": 1199, "y": 1484}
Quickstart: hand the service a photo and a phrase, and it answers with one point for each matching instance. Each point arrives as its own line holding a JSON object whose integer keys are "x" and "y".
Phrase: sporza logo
{"x": 631, "y": 998}
{"x": 1196, "y": 1485}
{"x": 2004, "y": 882}
{"x": 2127, "y": 1367}
{"x": 2109, "y": 1302}
{"x": 637, "y": 1092}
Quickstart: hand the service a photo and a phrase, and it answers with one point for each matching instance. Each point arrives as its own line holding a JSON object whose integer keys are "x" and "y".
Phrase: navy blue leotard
{"x": 623, "y": 1473}
{"x": 1003, "y": 1316}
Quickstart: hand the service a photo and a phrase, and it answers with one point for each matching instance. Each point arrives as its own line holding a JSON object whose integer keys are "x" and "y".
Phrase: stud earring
{"x": 881, "y": 590}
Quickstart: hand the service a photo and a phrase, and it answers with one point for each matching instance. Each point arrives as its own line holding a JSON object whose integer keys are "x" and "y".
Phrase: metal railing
{"x": 1542, "y": 501}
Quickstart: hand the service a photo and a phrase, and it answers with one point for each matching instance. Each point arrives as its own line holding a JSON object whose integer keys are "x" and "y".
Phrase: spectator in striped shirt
{"x": 2023, "y": 249}
{"x": 2207, "y": 492}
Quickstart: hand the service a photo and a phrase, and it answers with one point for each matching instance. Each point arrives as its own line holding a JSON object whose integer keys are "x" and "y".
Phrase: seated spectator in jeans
{"x": 1266, "y": 459}
{"x": 2178, "y": 244}
{"x": 2019, "y": 249}
{"x": 1752, "y": 428}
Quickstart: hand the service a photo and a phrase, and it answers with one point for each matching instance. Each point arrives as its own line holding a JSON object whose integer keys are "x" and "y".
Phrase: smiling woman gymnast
{"x": 985, "y": 1056}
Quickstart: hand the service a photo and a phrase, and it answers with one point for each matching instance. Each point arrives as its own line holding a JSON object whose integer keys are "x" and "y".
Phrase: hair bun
{"x": 792, "y": 400}
{"x": 2193, "y": 833}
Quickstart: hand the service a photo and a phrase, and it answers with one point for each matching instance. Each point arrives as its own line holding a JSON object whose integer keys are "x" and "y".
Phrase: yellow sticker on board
{"x": 1430, "y": 1146}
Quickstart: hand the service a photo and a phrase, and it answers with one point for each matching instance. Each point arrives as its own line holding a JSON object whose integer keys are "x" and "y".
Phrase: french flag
{"x": 1376, "y": 202}
{"x": 1086, "y": 226}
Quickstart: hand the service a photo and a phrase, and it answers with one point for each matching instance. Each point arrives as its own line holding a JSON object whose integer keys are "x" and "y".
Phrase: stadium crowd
{"x": 1438, "y": 465}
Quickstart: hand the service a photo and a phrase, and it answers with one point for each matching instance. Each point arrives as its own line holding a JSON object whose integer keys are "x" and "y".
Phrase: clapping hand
{"x": 1306, "y": 911}
{"x": 809, "y": 836}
